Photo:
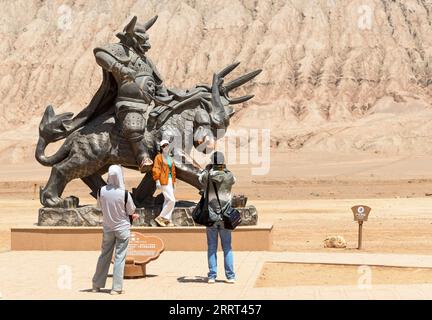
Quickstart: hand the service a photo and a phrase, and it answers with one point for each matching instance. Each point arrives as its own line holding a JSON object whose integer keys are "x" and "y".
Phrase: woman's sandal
{"x": 167, "y": 222}
{"x": 160, "y": 221}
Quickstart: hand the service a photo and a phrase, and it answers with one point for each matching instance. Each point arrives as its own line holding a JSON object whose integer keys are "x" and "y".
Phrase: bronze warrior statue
{"x": 138, "y": 83}
{"x": 130, "y": 113}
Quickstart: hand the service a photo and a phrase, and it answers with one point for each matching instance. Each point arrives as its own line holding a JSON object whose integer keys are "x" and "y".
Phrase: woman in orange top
{"x": 165, "y": 175}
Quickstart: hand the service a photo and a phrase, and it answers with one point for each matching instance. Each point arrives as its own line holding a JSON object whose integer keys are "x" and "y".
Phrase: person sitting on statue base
{"x": 164, "y": 174}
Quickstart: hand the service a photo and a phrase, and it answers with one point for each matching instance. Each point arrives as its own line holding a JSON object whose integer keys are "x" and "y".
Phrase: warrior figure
{"x": 139, "y": 85}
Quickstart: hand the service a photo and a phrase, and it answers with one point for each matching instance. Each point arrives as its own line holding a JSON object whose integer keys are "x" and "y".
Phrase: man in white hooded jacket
{"x": 116, "y": 230}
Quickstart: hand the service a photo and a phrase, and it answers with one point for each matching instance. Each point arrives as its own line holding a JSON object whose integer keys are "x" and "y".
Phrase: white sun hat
{"x": 163, "y": 142}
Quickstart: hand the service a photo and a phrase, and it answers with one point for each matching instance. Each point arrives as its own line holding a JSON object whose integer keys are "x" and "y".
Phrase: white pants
{"x": 169, "y": 202}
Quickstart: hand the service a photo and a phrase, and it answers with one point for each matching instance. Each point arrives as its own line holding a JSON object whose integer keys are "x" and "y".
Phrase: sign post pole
{"x": 360, "y": 234}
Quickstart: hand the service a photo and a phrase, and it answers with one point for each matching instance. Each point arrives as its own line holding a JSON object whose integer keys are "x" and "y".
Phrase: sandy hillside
{"x": 348, "y": 76}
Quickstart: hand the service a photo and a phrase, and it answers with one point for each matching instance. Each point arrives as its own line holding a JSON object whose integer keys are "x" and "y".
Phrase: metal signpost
{"x": 361, "y": 214}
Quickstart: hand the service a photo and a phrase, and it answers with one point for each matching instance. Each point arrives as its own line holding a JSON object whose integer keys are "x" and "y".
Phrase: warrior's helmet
{"x": 135, "y": 34}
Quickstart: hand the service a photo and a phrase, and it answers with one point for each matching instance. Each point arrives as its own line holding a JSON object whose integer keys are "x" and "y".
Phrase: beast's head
{"x": 213, "y": 119}
{"x": 135, "y": 35}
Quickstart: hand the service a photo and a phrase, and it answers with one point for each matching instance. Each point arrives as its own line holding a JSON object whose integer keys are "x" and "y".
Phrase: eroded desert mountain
{"x": 339, "y": 76}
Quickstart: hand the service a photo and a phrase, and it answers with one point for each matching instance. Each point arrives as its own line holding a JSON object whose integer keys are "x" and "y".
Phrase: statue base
{"x": 90, "y": 216}
{"x": 245, "y": 238}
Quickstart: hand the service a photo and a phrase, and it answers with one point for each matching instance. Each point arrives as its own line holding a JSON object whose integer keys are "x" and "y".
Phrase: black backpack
{"x": 231, "y": 217}
{"x": 126, "y": 197}
{"x": 200, "y": 214}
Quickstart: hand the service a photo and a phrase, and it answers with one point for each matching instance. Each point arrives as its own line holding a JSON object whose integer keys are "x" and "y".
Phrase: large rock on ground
{"x": 335, "y": 242}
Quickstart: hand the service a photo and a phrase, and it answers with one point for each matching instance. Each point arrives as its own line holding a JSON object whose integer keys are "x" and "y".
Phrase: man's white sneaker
{"x": 211, "y": 281}
{"x": 114, "y": 292}
{"x": 232, "y": 281}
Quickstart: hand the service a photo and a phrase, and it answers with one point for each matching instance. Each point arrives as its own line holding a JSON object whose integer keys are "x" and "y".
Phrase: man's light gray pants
{"x": 111, "y": 239}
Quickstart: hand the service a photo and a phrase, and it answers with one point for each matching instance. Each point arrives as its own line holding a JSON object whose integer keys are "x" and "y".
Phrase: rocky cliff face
{"x": 352, "y": 75}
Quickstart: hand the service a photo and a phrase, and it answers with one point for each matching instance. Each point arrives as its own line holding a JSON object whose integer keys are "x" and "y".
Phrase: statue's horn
{"x": 49, "y": 114}
{"x": 149, "y": 23}
{"x": 240, "y": 99}
{"x": 218, "y": 113}
{"x": 228, "y": 69}
{"x": 229, "y": 111}
{"x": 241, "y": 80}
{"x": 129, "y": 29}
{"x": 215, "y": 93}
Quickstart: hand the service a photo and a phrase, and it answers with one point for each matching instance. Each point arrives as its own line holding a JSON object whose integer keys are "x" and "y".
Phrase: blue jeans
{"x": 111, "y": 239}
{"x": 212, "y": 244}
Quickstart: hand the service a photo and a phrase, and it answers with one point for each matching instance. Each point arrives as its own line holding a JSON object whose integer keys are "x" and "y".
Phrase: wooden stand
{"x": 134, "y": 270}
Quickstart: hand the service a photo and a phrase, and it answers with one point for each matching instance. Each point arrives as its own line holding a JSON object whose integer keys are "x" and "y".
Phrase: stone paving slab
{"x": 182, "y": 275}
{"x": 384, "y": 259}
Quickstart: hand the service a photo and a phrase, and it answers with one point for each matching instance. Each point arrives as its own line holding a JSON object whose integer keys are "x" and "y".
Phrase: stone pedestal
{"x": 245, "y": 238}
{"x": 90, "y": 216}
{"x": 85, "y": 216}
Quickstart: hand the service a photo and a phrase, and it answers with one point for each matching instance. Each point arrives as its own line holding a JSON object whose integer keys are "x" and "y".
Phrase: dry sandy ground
{"x": 302, "y": 274}
{"x": 394, "y": 226}
{"x": 305, "y": 200}
{"x": 290, "y": 175}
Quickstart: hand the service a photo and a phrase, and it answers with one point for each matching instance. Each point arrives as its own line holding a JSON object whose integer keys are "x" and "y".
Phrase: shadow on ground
{"x": 189, "y": 279}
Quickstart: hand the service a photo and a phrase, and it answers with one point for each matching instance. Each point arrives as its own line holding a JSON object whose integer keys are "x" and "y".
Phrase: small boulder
{"x": 335, "y": 242}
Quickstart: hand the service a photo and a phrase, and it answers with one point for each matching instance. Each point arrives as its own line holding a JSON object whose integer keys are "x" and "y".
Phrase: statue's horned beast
{"x": 130, "y": 113}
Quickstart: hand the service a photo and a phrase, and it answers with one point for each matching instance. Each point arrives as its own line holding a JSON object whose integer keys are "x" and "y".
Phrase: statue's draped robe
{"x": 101, "y": 103}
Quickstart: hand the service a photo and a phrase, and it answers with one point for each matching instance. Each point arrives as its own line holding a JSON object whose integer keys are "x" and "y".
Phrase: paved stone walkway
{"x": 182, "y": 275}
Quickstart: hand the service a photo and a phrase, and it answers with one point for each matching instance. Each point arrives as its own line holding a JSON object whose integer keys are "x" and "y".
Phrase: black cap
{"x": 217, "y": 158}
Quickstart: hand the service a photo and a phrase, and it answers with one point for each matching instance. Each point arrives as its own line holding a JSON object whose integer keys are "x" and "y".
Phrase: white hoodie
{"x": 111, "y": 201}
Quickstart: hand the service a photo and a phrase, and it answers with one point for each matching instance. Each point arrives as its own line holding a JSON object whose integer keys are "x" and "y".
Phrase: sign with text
{"x": 143, "y": 249}
{"x": 361, "y": 212}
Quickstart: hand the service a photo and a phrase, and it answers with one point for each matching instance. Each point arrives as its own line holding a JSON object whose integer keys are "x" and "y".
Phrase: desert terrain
{"x": 306, "y": 201}
{"x": 345, "y": 94}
